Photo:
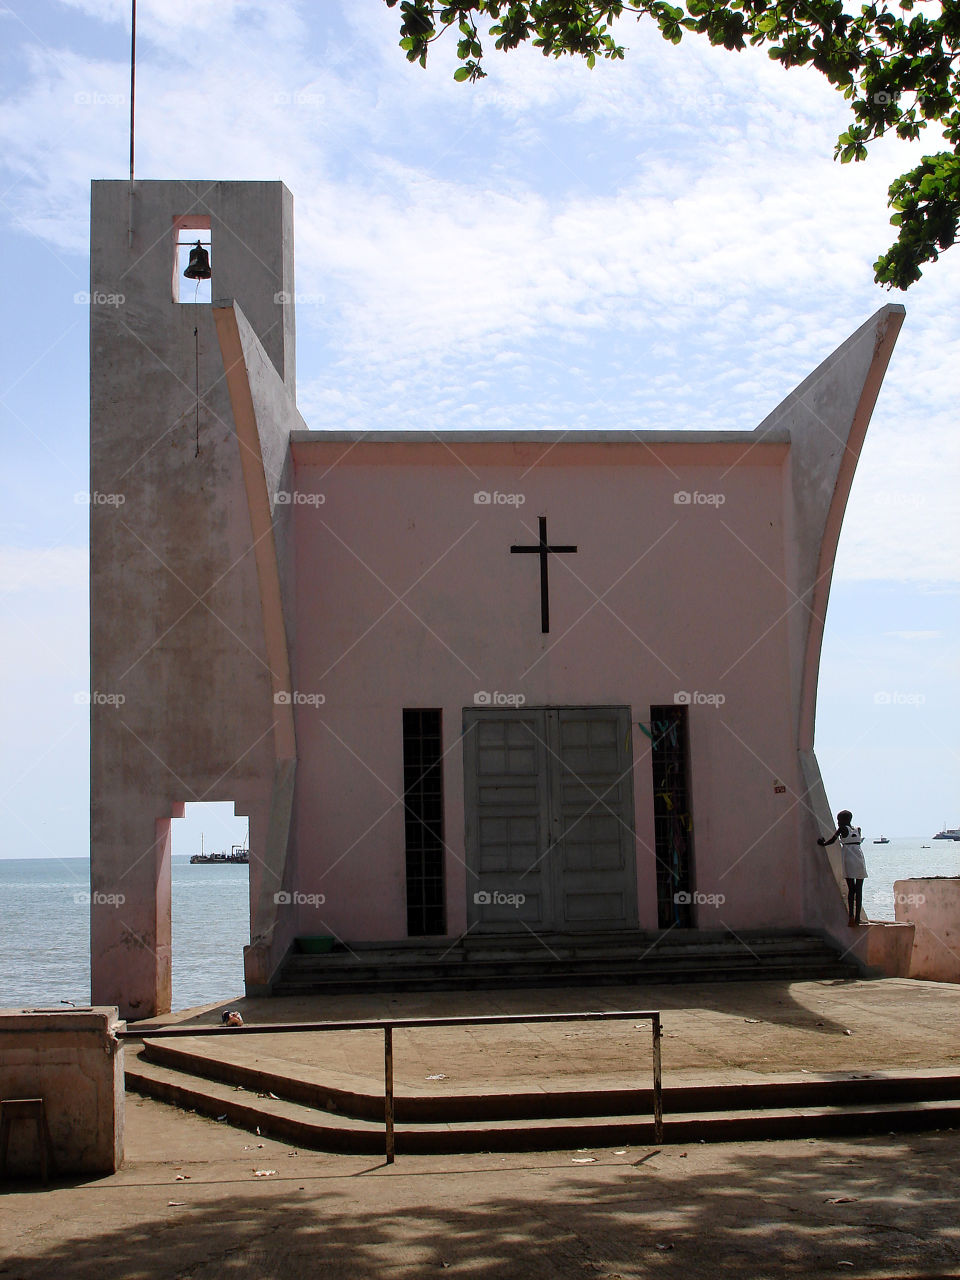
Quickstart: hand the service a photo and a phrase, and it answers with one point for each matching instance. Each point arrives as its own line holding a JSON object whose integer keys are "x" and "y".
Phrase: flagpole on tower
{"x": 133, "y": 86}
{"x": 133, "y": 75}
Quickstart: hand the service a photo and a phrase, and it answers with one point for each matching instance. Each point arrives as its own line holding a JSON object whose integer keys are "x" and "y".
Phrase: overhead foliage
{"x": 898, "y": 67}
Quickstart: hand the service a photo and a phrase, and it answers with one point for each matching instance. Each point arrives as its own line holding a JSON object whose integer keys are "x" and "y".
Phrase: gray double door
{"x": 549, "y": 819}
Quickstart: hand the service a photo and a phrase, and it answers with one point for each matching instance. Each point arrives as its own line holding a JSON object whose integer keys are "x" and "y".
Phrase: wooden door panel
{"x": 595, "y": 862}
{"x": 548, "y": 804}
{"x": 506, "y": 822}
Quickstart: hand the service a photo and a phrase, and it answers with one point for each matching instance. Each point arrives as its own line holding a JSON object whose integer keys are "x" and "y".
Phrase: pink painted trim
{"x": 264, "y": 545}
{"x": 446, "y": 452}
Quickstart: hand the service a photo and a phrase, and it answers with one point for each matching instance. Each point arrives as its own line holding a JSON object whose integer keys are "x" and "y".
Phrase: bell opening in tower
{"x": 192, "y": 268}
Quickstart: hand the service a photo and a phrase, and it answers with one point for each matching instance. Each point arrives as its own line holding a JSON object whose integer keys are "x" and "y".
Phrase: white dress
{"x": 852, "y": 864}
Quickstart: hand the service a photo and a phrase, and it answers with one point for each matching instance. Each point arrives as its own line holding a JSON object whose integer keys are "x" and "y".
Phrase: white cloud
{"x": 916, "y": 635}
{"x": 659, "y": 243}
{"x": 43, "y": 568}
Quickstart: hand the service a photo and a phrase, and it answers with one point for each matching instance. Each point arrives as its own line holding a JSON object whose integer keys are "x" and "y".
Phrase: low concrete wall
{"x": 883, "y": 948}
{"x": 74, "y": 1062}
{"x": 933, "y": 906}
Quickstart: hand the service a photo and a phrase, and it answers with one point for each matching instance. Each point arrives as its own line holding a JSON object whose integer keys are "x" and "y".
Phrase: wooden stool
{"x": 26, "y": 1109}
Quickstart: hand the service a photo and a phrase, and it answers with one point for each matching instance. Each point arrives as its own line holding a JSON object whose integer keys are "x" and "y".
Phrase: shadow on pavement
{"x": 746, "y": 1214}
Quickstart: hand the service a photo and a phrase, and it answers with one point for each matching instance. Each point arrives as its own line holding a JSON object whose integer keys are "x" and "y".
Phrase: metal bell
{"x": 198, "y": 268}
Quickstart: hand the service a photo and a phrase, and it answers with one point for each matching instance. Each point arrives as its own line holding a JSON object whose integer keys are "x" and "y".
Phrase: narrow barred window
{"x": 423, "y": 820}
{"x": 672, "y": 818}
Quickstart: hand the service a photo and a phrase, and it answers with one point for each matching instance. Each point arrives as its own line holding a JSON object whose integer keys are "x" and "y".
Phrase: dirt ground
{"x": 189, "y": 1205}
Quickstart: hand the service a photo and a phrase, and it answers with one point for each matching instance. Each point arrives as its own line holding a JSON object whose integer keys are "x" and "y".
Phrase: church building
{"x": 464, "y": 684}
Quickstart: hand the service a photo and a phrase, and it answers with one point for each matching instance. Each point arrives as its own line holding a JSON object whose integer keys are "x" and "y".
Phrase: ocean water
{"x": 45, "y": 931}
{"x": 45, "y": 936}
{"x": 901, "y": 859}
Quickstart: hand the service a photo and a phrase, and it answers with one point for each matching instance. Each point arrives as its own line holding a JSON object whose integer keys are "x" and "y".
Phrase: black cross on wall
{"x": 542, "y": 549}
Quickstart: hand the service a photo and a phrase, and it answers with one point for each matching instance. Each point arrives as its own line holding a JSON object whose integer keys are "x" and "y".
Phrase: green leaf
{"x": 895, "y": 62}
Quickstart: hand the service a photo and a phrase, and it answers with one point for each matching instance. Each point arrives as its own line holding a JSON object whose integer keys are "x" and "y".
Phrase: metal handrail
{"x": 388, "y": 1025}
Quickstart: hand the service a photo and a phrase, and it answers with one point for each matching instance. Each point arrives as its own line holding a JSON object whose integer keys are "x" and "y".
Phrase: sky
{"x": 661, "y": 243}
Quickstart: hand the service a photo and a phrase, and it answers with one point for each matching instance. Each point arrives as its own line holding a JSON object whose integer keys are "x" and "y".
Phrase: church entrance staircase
{"x": 489, "y": 961}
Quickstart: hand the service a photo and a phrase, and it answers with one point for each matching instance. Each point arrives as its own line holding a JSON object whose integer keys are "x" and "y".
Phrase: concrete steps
{"x": 489, "y": 962}
{"x": 311, "y": 1114}
{"x": 270, "y": 1117}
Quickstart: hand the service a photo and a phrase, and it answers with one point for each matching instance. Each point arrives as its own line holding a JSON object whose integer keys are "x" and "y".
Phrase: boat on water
{"x": 239, "y": 853}
{"x": 948, "y": 833}
{"x": 882, "y": 840}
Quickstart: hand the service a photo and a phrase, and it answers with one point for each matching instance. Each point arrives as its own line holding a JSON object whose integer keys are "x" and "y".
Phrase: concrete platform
{"x": 713, "y": 1033}
{"x": 741, "y": 1061}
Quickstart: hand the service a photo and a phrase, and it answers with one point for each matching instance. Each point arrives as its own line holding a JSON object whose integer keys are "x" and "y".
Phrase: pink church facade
{"x": 461, "y": 682}
{"x": 421, "y": 604}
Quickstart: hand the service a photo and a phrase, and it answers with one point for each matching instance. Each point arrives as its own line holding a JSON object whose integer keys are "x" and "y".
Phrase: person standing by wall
{"x": 852, "y": 863}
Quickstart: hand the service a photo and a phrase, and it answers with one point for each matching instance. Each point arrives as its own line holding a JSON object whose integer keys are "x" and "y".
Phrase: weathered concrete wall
{"x": 883, "y": 949}
{"x": 182, "y": 707}
{"x": 933, "y": 906}
{"x": 264, "y": 410}
{"x": 74, "y": 1062}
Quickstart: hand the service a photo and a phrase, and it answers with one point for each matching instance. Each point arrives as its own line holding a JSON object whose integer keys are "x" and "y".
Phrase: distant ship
{"x": 948, "y": 833}
{"x": 239, "y": 853}
{"x": 882, "y": 840}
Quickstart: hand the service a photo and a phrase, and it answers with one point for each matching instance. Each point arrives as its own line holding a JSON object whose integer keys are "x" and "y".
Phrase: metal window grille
{"x": 672, "y": 818}
{"x": 423, "y": 820}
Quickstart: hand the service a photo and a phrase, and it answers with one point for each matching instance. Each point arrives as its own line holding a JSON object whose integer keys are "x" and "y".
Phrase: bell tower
{"x": 181, "y": 701}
